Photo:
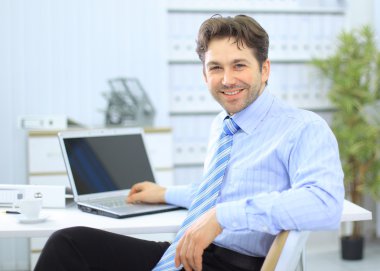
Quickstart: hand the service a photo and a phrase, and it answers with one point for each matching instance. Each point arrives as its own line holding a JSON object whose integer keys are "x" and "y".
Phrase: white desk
{"x": 158, "y": 223}
{"x": 168, "y": 222}
{"x": 353, "y": 212}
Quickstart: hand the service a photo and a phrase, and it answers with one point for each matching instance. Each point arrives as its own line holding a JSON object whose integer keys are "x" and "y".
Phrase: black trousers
{"x": 82, "y": 248}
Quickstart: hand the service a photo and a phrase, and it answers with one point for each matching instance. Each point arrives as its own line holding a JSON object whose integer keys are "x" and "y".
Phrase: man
{"x": 277, "y": 170}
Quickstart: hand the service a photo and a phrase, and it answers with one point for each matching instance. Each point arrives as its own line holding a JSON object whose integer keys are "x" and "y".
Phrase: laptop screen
{"x": 107, "y": 163}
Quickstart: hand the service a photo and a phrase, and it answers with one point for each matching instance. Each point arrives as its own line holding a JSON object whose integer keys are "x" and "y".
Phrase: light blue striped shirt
{"x": 284, "y": 173}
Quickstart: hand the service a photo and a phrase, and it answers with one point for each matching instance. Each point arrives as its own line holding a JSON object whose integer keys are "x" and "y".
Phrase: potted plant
{"x": 353, "y": 75}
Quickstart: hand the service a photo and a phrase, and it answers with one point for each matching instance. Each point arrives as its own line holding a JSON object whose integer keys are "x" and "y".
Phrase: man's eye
{"x": 240, "y": 66}
{"x": 213, "y": 68}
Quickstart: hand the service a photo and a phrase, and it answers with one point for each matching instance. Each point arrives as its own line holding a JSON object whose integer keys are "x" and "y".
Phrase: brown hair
{"x": 244, "y": 29}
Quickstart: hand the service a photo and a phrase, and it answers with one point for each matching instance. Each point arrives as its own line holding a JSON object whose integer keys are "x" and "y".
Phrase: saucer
{"x": 40, "y": 219}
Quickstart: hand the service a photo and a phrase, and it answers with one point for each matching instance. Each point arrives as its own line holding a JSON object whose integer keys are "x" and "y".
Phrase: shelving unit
{"x": 262, "y": 6}
{"x": 299, "y": 31}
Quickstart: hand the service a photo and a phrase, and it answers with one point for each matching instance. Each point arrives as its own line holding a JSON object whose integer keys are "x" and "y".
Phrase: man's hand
{"x": 147, "y": 192}
{"x": 194, "y": 241}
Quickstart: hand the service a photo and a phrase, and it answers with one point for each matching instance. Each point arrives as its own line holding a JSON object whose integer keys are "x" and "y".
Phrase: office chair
{"x": 286, "y": 252}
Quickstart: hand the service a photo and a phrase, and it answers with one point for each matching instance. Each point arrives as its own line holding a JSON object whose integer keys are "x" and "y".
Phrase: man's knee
{"x": 58, "y": 252}
{"x": 64, "y": 237}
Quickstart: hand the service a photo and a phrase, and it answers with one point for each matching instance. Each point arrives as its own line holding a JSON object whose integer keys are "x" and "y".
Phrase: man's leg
{"x": 82, "y": 248}
{"x": 220, "y": 259}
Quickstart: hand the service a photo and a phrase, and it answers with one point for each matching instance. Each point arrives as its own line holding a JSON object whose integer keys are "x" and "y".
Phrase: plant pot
{"x": 352, "y": 248}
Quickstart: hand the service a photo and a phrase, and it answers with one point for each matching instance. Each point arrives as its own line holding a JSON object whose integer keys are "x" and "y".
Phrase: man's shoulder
{"x": 291, "y": 113}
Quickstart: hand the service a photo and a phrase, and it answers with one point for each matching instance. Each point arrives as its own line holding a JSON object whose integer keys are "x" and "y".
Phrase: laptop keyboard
{"x": 117, "y": 202}
{"x": 112, "y": 202}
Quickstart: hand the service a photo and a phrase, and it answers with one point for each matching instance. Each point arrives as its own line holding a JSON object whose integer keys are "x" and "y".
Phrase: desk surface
{"x": 353, "y": 212}
{"x": 158, "y": 223}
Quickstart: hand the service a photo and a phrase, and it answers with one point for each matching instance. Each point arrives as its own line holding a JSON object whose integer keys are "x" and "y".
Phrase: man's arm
{"x": 315, "y": 199}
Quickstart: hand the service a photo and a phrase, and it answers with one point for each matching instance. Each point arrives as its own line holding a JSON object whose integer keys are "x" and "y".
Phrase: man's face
{"x": 233, "y": 75}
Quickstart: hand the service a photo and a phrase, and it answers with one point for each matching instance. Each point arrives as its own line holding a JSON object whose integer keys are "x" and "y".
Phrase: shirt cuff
{"x": 232, "y": 215}
{"x": 178, "y": 195}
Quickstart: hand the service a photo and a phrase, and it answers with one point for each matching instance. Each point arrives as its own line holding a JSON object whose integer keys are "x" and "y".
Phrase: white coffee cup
{"x": 30, "y": 208}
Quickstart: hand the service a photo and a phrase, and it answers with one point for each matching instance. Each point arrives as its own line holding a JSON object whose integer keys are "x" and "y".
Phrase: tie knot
{"x": 229, "y": 126}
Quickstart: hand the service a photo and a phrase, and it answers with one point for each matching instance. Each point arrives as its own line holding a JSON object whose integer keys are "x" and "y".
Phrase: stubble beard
{"x": 254, "y": 92}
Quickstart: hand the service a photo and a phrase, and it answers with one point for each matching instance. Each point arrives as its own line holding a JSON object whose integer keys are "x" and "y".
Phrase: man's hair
{"x": 244, "y": 29}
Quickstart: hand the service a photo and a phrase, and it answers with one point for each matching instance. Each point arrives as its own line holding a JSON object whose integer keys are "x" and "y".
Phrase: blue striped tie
{"x": 207, "y": 193}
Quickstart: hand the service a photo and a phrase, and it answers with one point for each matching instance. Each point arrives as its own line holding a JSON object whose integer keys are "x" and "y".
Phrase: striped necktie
{"x": 207, "y": 193}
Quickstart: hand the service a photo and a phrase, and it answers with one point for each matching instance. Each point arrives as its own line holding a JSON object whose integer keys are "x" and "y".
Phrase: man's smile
{"x": 232, "y": 92}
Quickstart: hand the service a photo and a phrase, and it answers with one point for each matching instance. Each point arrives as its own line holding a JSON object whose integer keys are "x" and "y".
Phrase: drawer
{"x": 36, "y": 246}
{"x": 190, "y": 153}
{"x": 59, "y": 179}
{"x": 160, "y": 149}
{"x": 33, "y": 259}
{"x": 164, "y": 177}
{"x": 37, "y": 243}
{"x": 44, "y": 155}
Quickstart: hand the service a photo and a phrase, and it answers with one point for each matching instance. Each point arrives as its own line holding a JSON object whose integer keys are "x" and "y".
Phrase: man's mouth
{"x": 230, "y": 93}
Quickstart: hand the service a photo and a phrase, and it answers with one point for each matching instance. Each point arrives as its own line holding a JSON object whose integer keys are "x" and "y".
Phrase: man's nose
{"x": 228, "y": 78}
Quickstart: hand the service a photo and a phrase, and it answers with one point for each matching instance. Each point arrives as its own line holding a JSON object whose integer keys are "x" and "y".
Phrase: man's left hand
{"x": 194, "y": 241}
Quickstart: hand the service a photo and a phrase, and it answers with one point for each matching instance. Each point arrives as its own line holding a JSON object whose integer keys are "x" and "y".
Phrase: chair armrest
{"x": 286, "y": 250}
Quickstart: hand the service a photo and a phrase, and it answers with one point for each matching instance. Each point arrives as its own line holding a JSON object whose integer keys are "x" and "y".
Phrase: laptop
{"x": 103, "y": 165}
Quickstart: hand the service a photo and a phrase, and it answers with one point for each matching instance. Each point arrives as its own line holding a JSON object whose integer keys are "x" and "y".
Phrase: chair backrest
{"x": 285, "y": 252}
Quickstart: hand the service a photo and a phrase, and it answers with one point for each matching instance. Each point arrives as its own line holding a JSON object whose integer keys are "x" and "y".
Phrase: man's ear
{"x": 265, "y": 71}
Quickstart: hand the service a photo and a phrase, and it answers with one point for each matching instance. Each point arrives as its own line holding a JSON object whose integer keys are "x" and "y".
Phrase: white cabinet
{"x": 159, "y": 143}
{"x": 44, "y": 155}
{"x": 45, "y": 162}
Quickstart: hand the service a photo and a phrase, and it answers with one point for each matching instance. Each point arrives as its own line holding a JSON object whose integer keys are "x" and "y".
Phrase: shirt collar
{"x": 249, "y": 118}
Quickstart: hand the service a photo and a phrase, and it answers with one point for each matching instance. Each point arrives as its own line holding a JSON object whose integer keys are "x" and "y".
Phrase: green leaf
{"x": 353, "y": 73}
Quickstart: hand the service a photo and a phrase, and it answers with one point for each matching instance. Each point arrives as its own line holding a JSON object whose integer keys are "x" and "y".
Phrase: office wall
{"x": 57, "y": 55}
{"x": 55, "y": 58}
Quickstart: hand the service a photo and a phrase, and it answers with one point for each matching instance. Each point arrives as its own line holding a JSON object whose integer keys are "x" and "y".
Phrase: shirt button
{"x": 265, "y": 228}
{"x": 234, "y": 224}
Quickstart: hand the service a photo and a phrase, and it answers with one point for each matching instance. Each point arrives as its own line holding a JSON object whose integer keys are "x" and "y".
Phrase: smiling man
{"x": 233, "y": 75}
{"x": 269, "y": 167}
